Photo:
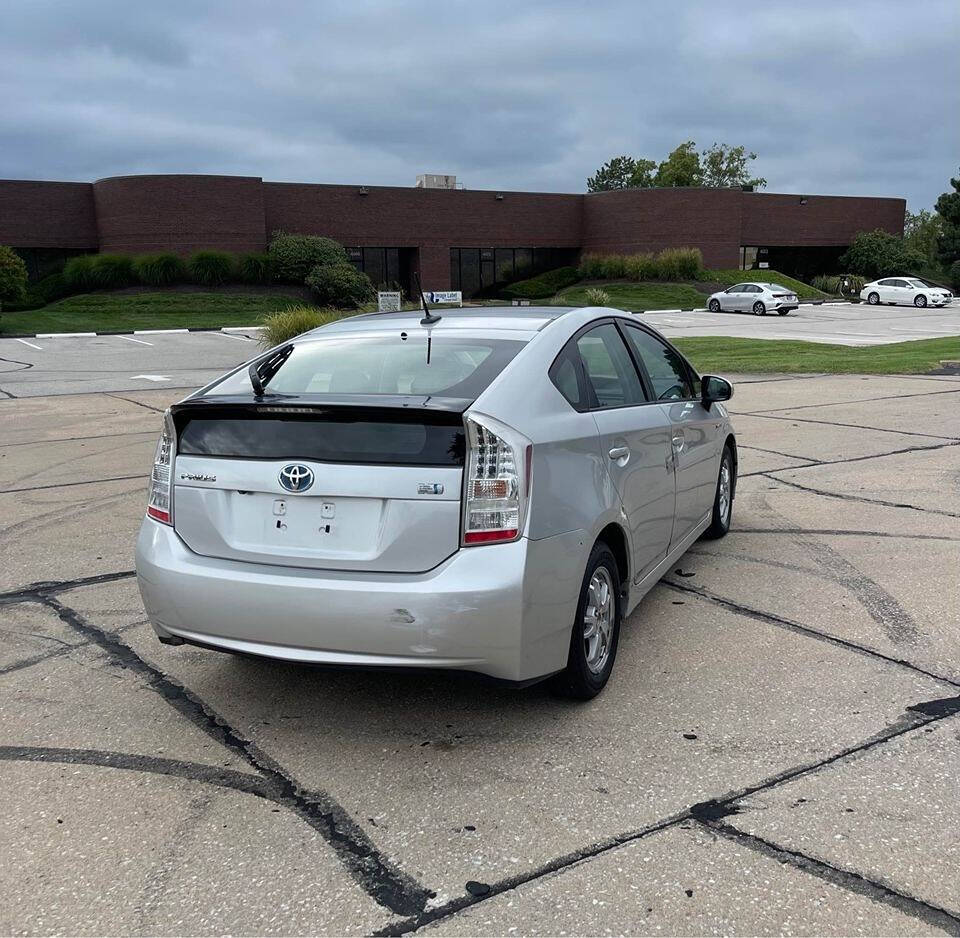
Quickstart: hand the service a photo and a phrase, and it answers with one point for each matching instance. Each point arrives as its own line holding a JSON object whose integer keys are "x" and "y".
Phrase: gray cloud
{"x": 861, "y": 98}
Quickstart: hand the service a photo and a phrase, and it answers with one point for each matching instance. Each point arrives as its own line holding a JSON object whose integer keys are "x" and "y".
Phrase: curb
{"x": 93, "y": 335}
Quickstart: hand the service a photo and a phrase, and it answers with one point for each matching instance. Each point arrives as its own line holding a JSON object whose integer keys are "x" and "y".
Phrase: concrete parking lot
{"x": 69, "y": 365}
{"x": 778, "y": 749}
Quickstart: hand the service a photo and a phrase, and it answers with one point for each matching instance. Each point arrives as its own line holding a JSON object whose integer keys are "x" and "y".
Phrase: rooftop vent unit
{"x": 436, "y": 181}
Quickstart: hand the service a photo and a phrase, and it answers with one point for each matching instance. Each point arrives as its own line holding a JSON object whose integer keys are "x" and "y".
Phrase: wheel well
{"x": 731, "y": 441}
{"x": 612, "y": 535}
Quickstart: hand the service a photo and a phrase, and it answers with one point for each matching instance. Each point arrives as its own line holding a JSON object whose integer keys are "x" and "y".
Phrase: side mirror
{"x": 714, "y": 389}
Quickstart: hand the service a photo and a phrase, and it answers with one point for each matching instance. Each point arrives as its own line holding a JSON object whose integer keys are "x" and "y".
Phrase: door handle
{"x": 677, "y": 441}
{"x": 619, "y": 452}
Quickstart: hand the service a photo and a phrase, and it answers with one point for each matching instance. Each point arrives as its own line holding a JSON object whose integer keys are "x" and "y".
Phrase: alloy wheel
{"x": 598, "y": 620}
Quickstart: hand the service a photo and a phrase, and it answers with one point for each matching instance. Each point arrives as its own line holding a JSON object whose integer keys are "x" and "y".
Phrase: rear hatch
{"x": 365, "y": 483}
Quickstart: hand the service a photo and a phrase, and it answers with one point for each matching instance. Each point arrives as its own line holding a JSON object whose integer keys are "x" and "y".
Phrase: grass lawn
{"x": 115, "y": 312}
{"x": 729, "y": 277}
{"x": 753, "y": 356}
{"x": 636, "y": 296}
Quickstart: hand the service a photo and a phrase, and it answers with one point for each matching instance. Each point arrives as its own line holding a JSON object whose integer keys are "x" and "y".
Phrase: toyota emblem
{"x": 296, "y": 477}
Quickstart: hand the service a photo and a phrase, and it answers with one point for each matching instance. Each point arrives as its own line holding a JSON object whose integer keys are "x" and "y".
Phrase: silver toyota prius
{"x": 492, "y": 490}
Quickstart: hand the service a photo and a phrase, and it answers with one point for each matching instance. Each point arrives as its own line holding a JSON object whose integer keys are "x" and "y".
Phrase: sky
{"x": 847, "y": 98}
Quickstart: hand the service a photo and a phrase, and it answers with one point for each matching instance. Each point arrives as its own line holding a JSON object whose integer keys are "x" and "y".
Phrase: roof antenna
{"x": 429, "y": 319}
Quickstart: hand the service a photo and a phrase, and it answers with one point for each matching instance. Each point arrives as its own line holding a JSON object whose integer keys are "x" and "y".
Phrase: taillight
{"x": 497, "y": 484}
{"x": 160, "y": 504}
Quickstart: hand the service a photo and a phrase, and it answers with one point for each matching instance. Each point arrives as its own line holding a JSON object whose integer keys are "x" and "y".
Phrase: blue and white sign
{"x": 445, "y": 296}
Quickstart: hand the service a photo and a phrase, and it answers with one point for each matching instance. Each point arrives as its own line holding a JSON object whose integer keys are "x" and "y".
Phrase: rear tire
{"x": 596, "y": 629}
{"x": 759, "y": 309}
{"x": 723, "y": 499}
{"x": 873, "y": 299}
{"x": 920, "y": 301}
{"x": 714, "y": 306}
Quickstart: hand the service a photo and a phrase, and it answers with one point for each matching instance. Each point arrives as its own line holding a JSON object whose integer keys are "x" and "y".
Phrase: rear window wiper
{"x": 263, "y": 369}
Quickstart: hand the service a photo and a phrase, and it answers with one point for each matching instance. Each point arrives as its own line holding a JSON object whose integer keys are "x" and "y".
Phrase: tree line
{"x": 719, "y": 165}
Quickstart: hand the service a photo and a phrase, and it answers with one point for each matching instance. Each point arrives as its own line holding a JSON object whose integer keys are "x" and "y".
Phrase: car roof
{"x": 523, "y": 319}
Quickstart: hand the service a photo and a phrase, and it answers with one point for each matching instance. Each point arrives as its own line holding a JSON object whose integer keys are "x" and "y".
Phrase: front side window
{"x": 610, "y": 371}
{"x": 739, "y": 288}
{"x": 666, "y": 369}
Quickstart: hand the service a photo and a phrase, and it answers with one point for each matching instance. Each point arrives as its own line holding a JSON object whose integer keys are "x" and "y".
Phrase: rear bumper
{"x": 504, "y": 610}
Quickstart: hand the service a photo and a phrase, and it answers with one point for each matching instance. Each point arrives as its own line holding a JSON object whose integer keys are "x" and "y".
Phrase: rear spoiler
{"x": 399, "y": 407}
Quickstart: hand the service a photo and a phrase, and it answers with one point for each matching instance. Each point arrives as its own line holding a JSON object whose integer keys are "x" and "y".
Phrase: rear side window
{"x": 565, "y": 374}
{"x": 610, "y": 371}
{"x": 459, "y": 367}
{"x": 666, "y": 369}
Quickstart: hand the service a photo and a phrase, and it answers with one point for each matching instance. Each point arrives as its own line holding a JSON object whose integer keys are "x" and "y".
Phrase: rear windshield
{"x": 459, "y": 366}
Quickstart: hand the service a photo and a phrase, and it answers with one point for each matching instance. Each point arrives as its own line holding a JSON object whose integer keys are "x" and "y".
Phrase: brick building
{"x": 457, "y": 238}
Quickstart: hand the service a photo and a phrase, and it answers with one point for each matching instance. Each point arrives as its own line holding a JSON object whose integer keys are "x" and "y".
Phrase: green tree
{"x": 680, "y": 168}
{"x": 723, "y": 165}
{"x": 880, "y": 254}
{"x": 622, "y": 172}
{"x": 948, "y": 207}
{"x": 921, "y": 231}
{"x": 13, "y": 276}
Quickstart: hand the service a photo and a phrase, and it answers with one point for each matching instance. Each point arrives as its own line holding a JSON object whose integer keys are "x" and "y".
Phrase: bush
{"x": 286, "y": 324}
{"x": 159, "y": 270}
{"x": 881, "y": 254}
{"x": 687, "y": 262}
{"x": 111, "y": 271}
{"x": 40, "y": 294}
{"x": 955, "y": 276}
{"x": 543, "y": 285}
{"x": 612, "y": 266}
{"x": 255, "y": 268}
{"x": 597, "y": 297}
{"x": 295, "y": 256}
{"x": 13, "y": 275}
{"x": 340, "y": 285}
{"x": 211, "y": 268}
{"x": 640, "y": 267}
{"x": 78, "y": 273}
{"x": 590, "y": 266}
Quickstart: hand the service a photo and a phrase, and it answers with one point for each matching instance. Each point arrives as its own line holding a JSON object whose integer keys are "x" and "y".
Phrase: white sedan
{"x": 904, "y": 291}
{"x": 754, "y": 297}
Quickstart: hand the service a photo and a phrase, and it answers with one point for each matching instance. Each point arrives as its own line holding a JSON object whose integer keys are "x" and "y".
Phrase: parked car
{"x": 755, "y": 297}
{"x": 904, "y": 291}
{"x": 493, "y": 492}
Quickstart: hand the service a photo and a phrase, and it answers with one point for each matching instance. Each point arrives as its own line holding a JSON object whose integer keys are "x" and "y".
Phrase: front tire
{"x": 714, "y": 306}
{"x": 723, "y": 499}
{"x": 596, "y": 628}
{"x": 759, "y": 309}
{"x": 873, "y": 299}
{"x": 920, "y": 301}
{"x": 783, "y": 312}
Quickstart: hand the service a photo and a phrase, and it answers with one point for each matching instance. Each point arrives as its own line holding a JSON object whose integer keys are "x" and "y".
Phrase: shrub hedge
{"x": 294, "y": 256}
{"x": 78, "y": 273}
{"x": 255, "y": 268}
{"x": 543, "y": 285}
{"x": 955, "y": 276}
{"x": 13, "y": 275}
{"x": 111, "y": 271}
{"x": 669, "y": 264}
{"x": 211, "y": 268}
{"x": 286, "y": 324}
{"x": 340, "y": 285}
{"x": 159, "y": 270}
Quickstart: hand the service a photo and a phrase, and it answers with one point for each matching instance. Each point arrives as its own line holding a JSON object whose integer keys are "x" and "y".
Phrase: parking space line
{"x": 39, "y": 348}
{"x": 130, "y": 338}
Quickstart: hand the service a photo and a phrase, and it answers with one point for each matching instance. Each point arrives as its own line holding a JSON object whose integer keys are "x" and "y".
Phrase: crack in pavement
{"x": 854, "y": 426}
{"x": 35, "y": 592}
{"x": 845, "y": 532}
{"x": 771, "y": 619}
{"x": 861, "y": 400}
{"x": 378, "y": 876}
{"x": 856, "y": 498}
{"x": 175, "y": 768}
{"x": 915, "y": 717}
{"x": 874, "y": 889}
{"x": 64, "y": 485}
